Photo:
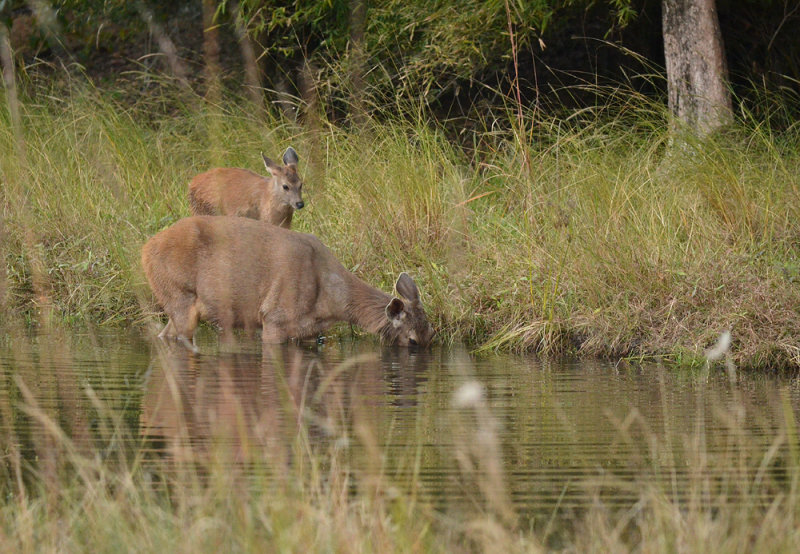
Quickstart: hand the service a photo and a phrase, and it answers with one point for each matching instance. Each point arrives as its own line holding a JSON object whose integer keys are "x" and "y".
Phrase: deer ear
{"x": 394, "y": 309}
{"x": 407, "y": 287}
{"x": 269, "y": 164}
{"x": 290, "y": 157}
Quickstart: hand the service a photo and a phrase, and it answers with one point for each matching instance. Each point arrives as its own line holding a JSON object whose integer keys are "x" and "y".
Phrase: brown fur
{"x": 241, "y": 192}
{"x": 240, "y": 273}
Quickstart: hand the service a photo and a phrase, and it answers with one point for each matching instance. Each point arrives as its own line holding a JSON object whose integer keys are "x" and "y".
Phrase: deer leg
{"x": 273, "y": 334}
{"x": 225, "y": 322}
{"x": 184, "y": 316}
{"x": 167, "y": 331}
{"x": 226, "y": 338}
{"x": 188, "y": 344}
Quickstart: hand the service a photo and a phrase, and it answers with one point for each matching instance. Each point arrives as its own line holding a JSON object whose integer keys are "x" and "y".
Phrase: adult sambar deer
{"x": 241, "y": 273}
{"x": 235, "y": 191}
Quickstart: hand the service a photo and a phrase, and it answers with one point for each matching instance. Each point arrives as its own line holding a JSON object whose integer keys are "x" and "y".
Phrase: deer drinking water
{"x": 240, "y": 273}
{"x": 241, "y": 192}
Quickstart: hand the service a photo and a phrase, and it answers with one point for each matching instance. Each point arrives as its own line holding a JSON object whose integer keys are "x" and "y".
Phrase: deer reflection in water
{"x": 245, "y": 407}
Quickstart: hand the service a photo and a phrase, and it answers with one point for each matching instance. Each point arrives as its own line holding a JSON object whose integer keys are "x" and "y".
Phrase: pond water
{"x": 541, "y": 439}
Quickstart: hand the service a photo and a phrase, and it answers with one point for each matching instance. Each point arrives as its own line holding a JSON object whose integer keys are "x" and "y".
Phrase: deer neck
{"x": 366, "y": 308}
{"x": 277, "y": 213}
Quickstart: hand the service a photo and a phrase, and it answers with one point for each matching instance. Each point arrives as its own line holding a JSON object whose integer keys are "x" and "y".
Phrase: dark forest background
{"x": 459, "y": 58}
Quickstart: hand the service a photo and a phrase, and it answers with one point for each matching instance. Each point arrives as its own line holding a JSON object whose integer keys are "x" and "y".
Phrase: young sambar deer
{"x": 241, "y": 273}
{"x": 241, "y": 192}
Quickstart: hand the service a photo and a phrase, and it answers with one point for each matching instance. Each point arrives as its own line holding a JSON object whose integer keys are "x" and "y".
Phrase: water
{"x": 544, "y": 439}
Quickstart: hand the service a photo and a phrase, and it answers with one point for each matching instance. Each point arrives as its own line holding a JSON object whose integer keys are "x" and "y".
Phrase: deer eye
{"x": 412, "y": 342}
{"x": 285, "y": 187}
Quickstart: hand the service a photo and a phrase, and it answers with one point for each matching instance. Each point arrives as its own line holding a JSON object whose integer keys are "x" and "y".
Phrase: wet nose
{"x": 299, "y": 205}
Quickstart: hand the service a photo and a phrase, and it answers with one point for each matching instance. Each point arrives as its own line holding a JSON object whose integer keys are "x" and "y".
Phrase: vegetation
{"x": 598, "y": 233}
{"x": 587, "y": 227}
{"x": 454, "y": 56}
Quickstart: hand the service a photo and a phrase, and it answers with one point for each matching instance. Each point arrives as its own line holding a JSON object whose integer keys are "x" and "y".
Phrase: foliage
{"x": 295, "y": 27}
{"x": 423, "y": 47}
{"x": 435, "y": 44}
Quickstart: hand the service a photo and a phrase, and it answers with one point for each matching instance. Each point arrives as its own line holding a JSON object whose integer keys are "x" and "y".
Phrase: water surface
{"x": 544, "y": 439}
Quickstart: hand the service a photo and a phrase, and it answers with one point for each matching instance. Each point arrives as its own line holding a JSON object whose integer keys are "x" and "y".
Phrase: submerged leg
{"x": 167, "y": 331}
{"x": 227, "y": 338}
{"x": 184, "y": 316}
{"x": 273, "y": 334}
{"x": 189, "y": 344}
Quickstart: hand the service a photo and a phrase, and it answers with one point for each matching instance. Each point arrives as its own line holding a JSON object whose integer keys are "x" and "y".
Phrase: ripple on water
{"x": 565, "y": 434}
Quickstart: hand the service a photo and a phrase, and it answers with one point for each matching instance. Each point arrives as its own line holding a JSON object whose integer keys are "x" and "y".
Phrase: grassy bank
{"x": 590, "y": 233}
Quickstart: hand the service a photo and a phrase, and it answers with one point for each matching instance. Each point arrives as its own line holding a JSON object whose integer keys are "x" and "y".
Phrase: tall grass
{"x": 596, "y": 232}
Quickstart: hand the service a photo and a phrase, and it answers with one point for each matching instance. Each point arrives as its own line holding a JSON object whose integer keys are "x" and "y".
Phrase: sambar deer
{"x": 241, "y": 273}
{"x": 241, "y": 192}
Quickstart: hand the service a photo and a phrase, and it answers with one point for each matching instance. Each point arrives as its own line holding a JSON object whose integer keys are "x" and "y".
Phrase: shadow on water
{"x": 536, "y": 443}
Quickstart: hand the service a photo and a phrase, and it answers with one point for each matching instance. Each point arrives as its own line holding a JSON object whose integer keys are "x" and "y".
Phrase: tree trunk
{"x": 358, "y": 21}
{"x": 252, "y": 74}
{"x": 697, "y": 74}
{"x": 178, "y": 69}
{"x": 211, "y": 50}
{"x": 213, "y": 96}
{"x": 312, "y": 123}
{"x": 10, "y": 86}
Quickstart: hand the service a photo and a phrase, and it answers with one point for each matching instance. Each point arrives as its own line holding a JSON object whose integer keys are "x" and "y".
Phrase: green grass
{"x": 597, "y": 232}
